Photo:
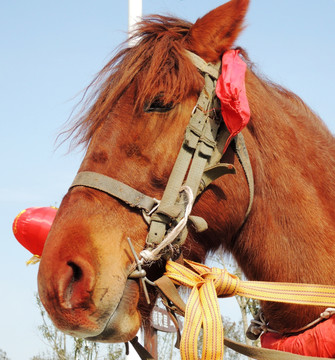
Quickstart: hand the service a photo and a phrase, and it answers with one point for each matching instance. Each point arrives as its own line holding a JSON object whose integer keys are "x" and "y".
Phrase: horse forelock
{"x": 155, "y": 65}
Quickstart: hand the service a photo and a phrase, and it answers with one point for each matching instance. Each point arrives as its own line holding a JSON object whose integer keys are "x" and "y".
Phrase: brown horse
{"x": 133, "y": 129}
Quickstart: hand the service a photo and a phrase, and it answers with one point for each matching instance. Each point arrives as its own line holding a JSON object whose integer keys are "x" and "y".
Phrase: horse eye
{"x": 158, "y": 105}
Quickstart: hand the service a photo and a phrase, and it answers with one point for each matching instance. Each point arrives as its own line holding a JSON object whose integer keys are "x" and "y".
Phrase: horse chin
{"x": 125, "y": 321}
{"x": 120, "y": 325}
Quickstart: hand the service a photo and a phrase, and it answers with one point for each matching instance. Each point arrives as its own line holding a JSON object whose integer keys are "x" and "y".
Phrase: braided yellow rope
{"x": 202, "y": 309}
{"x": 33, "y": 260}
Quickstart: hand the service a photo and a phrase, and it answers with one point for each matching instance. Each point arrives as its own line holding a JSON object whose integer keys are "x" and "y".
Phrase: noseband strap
{"x": 115, "y": 188}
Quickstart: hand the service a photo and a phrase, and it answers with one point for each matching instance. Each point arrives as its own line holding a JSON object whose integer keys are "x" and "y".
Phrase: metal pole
{"x": 134, "y": 14}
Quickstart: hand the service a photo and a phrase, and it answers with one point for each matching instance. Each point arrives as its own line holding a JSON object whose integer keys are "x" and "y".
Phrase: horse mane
{"x": 293, "y": 158}
{"x": 156, "y": 64}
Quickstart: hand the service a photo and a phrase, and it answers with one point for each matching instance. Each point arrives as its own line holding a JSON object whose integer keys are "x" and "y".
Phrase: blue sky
{"x": 50, "y": 51}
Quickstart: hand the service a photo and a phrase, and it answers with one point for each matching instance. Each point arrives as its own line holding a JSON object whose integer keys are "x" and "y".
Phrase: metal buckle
{"x": 147, "y": 215}
{"x": 155, "y": 207}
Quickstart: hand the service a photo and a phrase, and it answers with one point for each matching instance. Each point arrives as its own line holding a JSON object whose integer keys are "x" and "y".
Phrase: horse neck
{"x": 292, "y": 220}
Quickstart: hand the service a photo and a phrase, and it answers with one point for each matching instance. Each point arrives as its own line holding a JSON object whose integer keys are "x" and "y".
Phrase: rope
{"x": 259, "y": 325}
{"x": 149, "y": 255}
{"x": 323, "y": 316}
{"x": 33, "y": 260}
{"x": 202, "y": 309}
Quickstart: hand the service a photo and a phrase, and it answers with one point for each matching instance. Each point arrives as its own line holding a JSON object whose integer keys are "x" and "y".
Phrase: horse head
{"x": 134, "y": 129}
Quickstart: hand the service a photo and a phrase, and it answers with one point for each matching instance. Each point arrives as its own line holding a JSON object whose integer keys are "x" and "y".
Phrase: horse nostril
{"x": 77, "y": 271}
{"x": 76, "y": 284}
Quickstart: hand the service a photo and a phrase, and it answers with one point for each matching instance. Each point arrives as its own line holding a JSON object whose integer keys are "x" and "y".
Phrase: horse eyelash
{"x": 158, "y": 105}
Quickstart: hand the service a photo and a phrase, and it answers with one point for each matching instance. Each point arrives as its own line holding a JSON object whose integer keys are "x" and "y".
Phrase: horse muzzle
{"x": 81, "y": 306}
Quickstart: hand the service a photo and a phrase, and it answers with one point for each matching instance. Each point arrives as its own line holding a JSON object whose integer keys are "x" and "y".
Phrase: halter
{"x": 197, "y": 165}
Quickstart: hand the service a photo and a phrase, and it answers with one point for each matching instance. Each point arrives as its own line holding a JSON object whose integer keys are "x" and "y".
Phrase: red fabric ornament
{"x": 318, "y": 341}
{"x": 31, "y": 227}
{"x": 230, "y": 89}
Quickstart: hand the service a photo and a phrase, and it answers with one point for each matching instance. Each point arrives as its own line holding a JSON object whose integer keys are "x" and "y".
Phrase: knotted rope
{"x": 202, "y": 309}
{"x": 150, "y": 255}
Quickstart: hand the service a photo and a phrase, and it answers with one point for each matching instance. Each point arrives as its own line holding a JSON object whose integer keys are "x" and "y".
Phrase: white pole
{"x": 134, "y": 14}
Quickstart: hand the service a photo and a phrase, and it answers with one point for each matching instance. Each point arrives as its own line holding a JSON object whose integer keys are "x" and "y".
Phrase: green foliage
{"x": 166, "y": 348}
{"x": 116, "y": 352}
{"x": 3, "y": 355}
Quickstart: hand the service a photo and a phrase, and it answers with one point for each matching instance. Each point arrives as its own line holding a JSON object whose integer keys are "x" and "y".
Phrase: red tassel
{"x": 230, "y": 89}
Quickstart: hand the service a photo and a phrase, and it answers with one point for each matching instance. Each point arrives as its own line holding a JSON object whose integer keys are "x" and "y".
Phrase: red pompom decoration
{"x": 31, "y": 227}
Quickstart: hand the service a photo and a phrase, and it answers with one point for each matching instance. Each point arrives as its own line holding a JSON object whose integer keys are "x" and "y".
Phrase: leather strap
{"x": 140, "y": 349}
{"x": 265, "y": 354}
{"x": 242, "y": 153}
{"x": 168, "y": 290}
{"x": 203, "y": 66}
{"x": 115, "y": 188}
{"x": 195, "y": 153}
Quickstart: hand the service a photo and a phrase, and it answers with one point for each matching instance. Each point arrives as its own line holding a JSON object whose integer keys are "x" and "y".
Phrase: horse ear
{"x": 216, "y": 32}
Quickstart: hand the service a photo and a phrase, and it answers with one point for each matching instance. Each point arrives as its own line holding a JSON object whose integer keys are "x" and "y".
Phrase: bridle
{"x": 196, "y": 167}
